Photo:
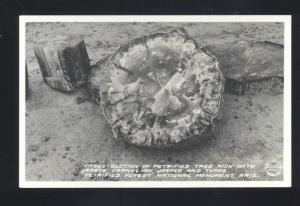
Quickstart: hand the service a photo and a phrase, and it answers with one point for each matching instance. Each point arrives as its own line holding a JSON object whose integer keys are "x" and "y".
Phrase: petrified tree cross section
{"x": 160, "y": 89}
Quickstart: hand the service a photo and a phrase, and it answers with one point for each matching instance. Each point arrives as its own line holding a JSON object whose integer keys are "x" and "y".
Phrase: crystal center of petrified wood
{"x": 161, "y": 90}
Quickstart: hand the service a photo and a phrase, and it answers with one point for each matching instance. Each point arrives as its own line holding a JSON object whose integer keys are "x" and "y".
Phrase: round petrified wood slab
{"x": 160, "y": 90}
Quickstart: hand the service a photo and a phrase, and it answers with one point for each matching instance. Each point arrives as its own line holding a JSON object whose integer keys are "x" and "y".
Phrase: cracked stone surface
{"x": 161, "y": 89}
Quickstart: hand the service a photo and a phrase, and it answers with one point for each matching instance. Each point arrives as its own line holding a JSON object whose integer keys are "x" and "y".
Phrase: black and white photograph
{"x": 155, "y": 101}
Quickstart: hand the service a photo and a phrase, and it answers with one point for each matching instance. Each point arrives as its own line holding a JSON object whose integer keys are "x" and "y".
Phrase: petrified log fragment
{"x": 250, "y": 67}
{"x": 160, "y": 90}
{"x": 64, "y": 62}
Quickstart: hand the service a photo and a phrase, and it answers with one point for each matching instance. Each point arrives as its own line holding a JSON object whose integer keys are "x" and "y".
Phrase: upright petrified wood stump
{"x": 64, "y": 62}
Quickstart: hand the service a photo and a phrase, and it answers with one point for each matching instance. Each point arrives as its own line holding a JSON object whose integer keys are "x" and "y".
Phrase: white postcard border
{"x": 286, "y": 182}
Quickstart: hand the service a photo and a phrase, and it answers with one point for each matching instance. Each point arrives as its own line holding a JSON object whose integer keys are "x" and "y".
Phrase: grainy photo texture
{"x": 154, "y": 101}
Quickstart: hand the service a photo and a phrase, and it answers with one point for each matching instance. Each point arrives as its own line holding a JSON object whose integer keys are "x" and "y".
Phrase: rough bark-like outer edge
{"x": 191, "y": 139}
{"x": 94, "y": 93}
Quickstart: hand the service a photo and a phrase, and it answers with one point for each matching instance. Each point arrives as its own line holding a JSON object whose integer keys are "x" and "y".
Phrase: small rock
{"x": 261, "y": 108}
{"x": 248, "y": 109}
{"x": 33, "y": 159}
{"x": 235, "y": 117}
{"x": 260, "y": 143}
{"x": 80, "y": 100}
{"x": 75, "y": 174}
{"x": 250, "y": 102}
{"x": 45, "y": 139}
{"x": 43, "y": 154}
{"x": 33, "y": 148}
{"x": 67, "y": 148}
{"x": 71, "y": 159}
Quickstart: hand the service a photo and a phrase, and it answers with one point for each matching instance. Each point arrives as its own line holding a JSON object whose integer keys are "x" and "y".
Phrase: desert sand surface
{"x": 64, "y": 130}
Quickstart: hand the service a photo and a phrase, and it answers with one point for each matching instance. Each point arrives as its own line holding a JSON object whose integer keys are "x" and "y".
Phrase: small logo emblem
{"x": 273, "y": 168}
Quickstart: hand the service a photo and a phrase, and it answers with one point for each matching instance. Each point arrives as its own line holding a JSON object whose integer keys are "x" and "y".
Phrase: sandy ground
{"x": 62, "y": 132}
